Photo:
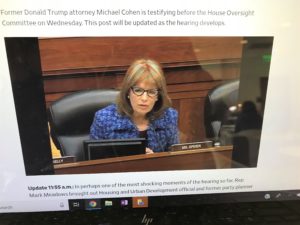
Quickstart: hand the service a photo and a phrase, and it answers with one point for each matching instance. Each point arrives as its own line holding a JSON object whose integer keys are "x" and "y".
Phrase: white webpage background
{"x": 279, "y": 155}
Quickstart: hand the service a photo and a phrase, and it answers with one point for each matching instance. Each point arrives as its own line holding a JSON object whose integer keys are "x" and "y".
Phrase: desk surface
{"x": 209, "y": 158}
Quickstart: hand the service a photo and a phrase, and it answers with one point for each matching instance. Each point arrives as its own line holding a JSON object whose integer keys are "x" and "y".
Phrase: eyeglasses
{"x": 140, "y": 91}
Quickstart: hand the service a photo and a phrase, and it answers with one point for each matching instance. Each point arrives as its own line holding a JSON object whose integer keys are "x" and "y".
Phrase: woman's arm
{"x": 96, "y": 130}
{"x": 173, "y": 137}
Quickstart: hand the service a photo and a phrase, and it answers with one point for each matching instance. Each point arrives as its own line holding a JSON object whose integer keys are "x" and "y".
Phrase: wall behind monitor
{"x": 255, "y": 68}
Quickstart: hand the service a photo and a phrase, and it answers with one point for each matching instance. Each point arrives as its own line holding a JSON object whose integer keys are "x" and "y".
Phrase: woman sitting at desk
{"x": 142, "y": 110}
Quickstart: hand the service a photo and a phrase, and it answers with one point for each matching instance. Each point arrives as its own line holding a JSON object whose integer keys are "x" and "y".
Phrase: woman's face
{"x": 142, "y": 103}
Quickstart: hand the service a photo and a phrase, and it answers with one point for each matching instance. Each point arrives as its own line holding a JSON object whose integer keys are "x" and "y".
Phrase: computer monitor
{"x": 101, "y": 149}
{"x": 266, "y": 64}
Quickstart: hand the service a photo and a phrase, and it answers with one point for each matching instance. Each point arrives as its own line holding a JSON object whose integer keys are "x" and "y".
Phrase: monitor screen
{"x": 231, "y": 79}
{"x": 101, "y": 149}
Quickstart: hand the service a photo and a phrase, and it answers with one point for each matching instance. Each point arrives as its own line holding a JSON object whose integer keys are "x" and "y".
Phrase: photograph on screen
{"x": 217, "y": 88}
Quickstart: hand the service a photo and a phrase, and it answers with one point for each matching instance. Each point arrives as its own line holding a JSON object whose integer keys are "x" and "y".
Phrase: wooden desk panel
{"x": 210, "y": 158}
{"x": 102, "y": 54}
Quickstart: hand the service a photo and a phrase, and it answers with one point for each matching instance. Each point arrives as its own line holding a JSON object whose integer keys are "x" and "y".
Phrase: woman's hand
{"x": 149, "y": 151}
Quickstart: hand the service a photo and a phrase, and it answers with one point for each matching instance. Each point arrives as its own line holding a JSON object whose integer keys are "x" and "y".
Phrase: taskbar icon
{"x": 92, "y": 204}
{"x": 76, "y": 204}
{"x": 140, "y": 202}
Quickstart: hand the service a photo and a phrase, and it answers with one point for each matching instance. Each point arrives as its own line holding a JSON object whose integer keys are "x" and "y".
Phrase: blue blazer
{"x": 162, "y": 132}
